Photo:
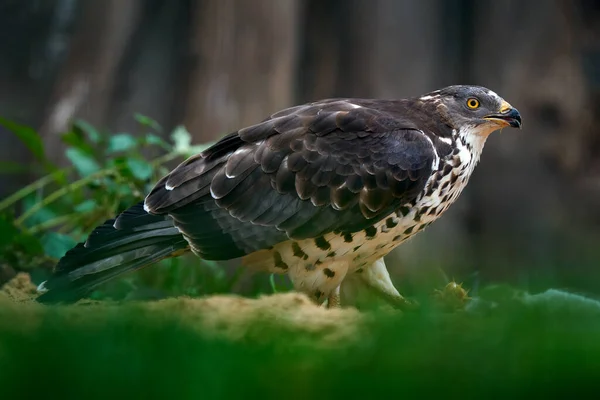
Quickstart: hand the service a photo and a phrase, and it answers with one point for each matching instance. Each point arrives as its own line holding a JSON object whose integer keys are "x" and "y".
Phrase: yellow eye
{"x": 473, "y": 103}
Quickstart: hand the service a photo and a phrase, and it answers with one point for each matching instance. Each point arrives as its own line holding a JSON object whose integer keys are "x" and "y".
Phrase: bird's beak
{"x": 508, "y": 116}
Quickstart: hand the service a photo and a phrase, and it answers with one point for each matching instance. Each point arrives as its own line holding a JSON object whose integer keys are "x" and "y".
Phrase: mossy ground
{"x": 282, "y": 346}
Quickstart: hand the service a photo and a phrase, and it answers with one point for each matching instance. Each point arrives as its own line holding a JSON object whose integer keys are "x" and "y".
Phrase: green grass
{"x": 538, "y": 345}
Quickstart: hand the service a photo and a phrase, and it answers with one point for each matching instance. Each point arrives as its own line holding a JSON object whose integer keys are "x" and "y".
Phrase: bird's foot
{"x": 334, "y": 300}
{"x": 400, "y": 302}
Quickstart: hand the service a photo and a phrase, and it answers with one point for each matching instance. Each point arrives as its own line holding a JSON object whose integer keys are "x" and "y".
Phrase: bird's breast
{"x": 361, "y": 249}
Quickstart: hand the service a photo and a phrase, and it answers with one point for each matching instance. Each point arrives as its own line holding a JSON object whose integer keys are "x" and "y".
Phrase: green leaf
{"x": 182, "y": 139}
{"x": 38, "y": 217}
{"x": 28, "y": 136}
{"x": 152, "y": 139}
{"x": 116, "y": 162}
{"x": 12, "y": 238}
{"x": 122, "y": 190}
{"x": 141, "y": 169}
{"x": 121, "y": 142}
{"x": 90, "y": 131}
{"x": 75, "y": 138}
{"x": 147, "y": 121}
{"x": 82, "y": 161}
{"x": 7, "y": 231}
{"x": 86, "y": 206}
{"x": 28, "y": 243}
{"x": 56, "y": 244}
{"x": 183, "y": 142}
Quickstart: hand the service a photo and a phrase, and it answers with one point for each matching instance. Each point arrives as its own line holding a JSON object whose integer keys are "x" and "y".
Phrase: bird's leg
{"x": 334, "y": 301}
{"x": 377, "y": 278}
{"x": 320, "y": 282}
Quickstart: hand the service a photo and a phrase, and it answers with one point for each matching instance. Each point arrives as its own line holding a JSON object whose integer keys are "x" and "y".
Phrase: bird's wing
{"x": 306, "y": 171}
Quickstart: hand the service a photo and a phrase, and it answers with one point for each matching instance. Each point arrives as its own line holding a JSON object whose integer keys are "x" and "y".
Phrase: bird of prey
{"x": 320, "y": 192}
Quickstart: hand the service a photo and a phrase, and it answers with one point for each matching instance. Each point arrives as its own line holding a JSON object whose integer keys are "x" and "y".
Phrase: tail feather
{"x": 133, "y": 240}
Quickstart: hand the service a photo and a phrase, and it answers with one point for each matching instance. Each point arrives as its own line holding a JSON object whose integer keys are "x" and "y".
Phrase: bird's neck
{"x": 472, "y": 140}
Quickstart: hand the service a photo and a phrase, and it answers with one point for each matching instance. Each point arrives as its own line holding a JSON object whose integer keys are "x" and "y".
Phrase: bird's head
{"x": 475, "y": 108}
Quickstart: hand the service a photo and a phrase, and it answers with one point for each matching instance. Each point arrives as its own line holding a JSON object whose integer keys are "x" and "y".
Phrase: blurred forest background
{"x": 531, "y": 211}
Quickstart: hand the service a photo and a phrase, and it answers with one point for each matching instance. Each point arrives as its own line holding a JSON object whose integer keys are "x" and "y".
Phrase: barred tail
{"x": 131, "y": 241}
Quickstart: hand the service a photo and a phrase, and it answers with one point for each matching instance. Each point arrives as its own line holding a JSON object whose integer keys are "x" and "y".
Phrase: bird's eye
{"x": 473, "y": 103}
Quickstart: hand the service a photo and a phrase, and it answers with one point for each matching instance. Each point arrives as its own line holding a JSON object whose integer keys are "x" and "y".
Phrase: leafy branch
{"x": 108, "y": 172}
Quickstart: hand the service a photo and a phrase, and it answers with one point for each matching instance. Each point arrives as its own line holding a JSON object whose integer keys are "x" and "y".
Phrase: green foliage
{"x": 546, "y": 345}
{"x": 28, "y": 136}
{"x": 107, "y": 173}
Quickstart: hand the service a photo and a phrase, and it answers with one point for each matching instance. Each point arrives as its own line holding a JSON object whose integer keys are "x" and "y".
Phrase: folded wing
{"x": 333, "y": 166}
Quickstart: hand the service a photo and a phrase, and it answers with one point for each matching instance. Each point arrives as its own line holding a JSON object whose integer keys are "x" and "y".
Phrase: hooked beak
{"x": 508, "y": 116}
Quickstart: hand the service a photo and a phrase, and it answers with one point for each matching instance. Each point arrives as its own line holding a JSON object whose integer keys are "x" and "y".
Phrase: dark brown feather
{"x": 336, "y": 165}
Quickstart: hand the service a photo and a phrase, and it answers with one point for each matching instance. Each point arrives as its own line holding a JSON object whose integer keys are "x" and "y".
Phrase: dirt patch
{"x": 228, "y": 316}
{"x": 19, "y": 289}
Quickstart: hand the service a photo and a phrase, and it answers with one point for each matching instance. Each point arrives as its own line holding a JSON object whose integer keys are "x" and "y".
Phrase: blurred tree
{"x": 35, "y": 40}
{"x": 244, "y": 60}
{"x": 85, "y": 85}
{"x": 526, "y": 215}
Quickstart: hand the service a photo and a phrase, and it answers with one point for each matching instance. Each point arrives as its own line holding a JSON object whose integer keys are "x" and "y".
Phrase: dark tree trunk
{"x": 244, "y": 56}
{"x": 85, "y": 86}
{"x": 35, "y": 40}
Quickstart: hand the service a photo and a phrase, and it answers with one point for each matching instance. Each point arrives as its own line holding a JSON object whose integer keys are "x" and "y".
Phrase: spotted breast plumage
{"x": 318, "y": 191}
